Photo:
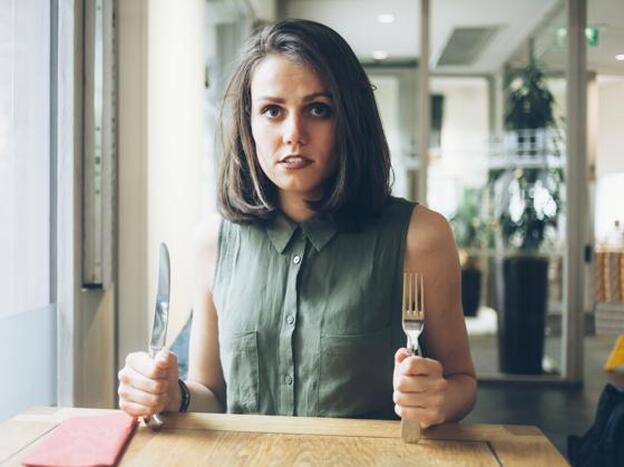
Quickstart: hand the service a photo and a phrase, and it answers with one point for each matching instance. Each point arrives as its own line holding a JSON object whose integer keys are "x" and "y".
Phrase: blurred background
{"x": 504, "y": 116}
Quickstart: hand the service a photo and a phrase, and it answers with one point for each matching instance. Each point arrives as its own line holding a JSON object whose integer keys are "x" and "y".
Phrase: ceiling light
{"x": 386, "y": 18}
{"x": 380, "y": 54}
{"x": 619, "y": 57}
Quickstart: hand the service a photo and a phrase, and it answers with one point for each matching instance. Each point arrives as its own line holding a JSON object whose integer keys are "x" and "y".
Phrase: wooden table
{"x": 224, "y": 440}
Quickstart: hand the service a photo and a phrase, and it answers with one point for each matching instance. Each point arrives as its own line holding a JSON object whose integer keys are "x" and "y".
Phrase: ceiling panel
{"x": 357, "y": 21}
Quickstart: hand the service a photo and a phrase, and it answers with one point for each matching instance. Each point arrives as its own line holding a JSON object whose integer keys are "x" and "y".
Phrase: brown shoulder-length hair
{"x": 360, "y": 185}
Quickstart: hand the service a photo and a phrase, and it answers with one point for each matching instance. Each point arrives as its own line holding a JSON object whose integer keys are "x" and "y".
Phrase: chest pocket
{"x": 239, "y": 360}
{"x": 355, "y": 373}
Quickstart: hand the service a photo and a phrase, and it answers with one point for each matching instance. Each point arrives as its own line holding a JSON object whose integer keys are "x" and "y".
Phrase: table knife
{"x": 161, "y": 315}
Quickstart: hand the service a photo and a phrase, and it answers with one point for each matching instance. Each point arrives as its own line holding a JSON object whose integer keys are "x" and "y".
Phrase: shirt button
{"x": 290, "y": 319}
{"x": 288, "y": 380}
{"x": 297, "y": 259}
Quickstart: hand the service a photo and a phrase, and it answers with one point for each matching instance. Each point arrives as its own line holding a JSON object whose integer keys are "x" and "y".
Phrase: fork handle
{"x": 413, "y": 348}
{"x": 410, "y": 431}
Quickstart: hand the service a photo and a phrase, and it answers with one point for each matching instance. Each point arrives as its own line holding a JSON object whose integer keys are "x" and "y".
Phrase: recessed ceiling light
{"x": 619, "y": 57}
{"x": 380, "y": 54}
{"x": 385, "y": 18}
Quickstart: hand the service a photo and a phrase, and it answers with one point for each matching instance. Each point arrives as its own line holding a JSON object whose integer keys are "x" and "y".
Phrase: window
{"x": 27, "y": 316}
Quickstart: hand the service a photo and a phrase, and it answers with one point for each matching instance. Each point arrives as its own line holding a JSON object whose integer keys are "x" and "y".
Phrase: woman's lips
{"x": 295, "y": 162}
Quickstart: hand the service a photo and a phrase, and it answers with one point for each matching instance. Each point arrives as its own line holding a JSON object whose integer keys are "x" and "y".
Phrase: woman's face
{"x": 292, "y": 123}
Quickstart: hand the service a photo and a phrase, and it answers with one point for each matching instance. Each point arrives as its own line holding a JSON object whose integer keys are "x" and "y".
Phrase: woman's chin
{"x": 306, "y": 191}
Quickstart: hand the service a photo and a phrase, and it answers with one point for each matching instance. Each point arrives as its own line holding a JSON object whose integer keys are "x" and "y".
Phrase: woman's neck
{"x": 295, "y": 207}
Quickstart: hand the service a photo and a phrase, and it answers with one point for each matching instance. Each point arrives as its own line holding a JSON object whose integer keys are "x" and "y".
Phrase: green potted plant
{"x": 467, "y": 227}
{"x": 527, "y": 208}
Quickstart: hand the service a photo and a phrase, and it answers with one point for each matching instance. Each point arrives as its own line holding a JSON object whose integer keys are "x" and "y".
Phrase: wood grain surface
{"x": 220, "y": 439}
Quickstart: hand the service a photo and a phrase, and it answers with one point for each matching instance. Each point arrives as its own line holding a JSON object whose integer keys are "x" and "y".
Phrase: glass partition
{"x": 498, "y": 175}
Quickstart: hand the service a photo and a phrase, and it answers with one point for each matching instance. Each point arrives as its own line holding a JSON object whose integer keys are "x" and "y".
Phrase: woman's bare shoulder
{"x": 429, "y": 232}
{"x": 430, "y": 245}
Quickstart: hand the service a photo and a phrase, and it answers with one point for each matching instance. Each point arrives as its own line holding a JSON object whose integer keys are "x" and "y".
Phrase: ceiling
{"x": 513, "y": 22}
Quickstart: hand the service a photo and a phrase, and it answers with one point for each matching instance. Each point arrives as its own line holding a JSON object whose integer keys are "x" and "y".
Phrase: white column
{"x": 68, "y": 213}
{"x": 424, "y": 103}
{"x": 576, "y": 191}
{"x": 132, "y": 179}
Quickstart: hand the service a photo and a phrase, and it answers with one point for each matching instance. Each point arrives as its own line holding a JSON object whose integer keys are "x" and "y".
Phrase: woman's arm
{"x": 150, "y": 385}
{"x": 441, "y": 387}
{"x": 205, "y": 376}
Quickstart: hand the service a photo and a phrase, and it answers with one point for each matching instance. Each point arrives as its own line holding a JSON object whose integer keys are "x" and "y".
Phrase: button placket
{"x": 287, "y": 364}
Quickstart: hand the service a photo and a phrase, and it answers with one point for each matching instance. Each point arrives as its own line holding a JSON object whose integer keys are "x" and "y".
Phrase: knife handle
{"x": 155, "y": 422}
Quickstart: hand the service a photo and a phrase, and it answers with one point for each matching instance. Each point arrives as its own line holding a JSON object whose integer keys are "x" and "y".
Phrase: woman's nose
{"x": 294, "y": 131}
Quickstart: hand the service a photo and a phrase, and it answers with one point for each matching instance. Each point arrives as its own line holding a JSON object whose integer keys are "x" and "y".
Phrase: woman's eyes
{"x": 320, "y": 110}
{"x": 272, "y": 111}
{"x": 316, "y": 110}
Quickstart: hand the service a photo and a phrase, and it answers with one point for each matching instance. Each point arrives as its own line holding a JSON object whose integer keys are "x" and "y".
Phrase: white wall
{"x": 161, "y": 111}
{"x": 609, "y": 156}
{"x": 462, "y": 159}
{"x": 388, "y": 97}
{"x": 610, "y": 140}
{"x": 175, "y": 144}
{"x": 397, "y": 99}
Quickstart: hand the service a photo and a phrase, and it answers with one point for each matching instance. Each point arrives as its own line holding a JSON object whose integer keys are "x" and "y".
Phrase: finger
{"x": 153, "y": 402}
{"x": 166, "y": 359}
{"x": 415, "y": 384}
{"x": 134, "y": 409}
{"x": 422, "y": 400}
{"x": 142, "y": 363}
{"x": 401, "y": 355}
{"x": 414, "y": 365}
{"x": 135, "y": 379}
{"x": 420, "y": 384}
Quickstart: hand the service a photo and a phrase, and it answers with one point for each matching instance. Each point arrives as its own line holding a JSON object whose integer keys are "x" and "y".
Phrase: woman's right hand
{"x": 149, "y": 385}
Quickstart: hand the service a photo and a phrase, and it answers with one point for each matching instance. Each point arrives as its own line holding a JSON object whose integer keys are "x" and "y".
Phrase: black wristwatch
{"x": 186, "y": 396}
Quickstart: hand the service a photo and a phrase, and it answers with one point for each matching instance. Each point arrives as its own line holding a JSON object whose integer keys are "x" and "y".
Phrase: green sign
{"x": 592, "y": 36}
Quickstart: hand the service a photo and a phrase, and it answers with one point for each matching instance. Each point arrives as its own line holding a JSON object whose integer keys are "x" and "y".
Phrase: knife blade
{"x": 161, "y": 317}
{"x": 161, "y": 312}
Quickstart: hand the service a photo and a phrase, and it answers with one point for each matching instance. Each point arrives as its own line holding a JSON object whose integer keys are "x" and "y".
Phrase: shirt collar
{"x": 320, "y": 230}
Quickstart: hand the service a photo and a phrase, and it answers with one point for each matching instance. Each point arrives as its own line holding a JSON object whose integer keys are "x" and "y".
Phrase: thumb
{"x": 401, "y": 355}
{"x": 162, "y": 359}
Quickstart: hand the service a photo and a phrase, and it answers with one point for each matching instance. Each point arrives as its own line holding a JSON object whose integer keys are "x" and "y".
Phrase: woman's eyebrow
{"x": 309, "y": 97}
{"x": 313, "y": 96}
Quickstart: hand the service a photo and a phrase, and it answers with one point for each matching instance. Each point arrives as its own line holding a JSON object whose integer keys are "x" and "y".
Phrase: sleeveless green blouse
{"x": 310, "y": 316}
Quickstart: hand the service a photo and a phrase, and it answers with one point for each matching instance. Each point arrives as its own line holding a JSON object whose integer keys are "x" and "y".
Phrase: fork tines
{"x": 413, "y": 296}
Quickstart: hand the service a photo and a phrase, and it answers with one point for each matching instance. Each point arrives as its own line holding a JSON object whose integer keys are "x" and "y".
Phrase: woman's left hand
{"x": 419, "y": 388}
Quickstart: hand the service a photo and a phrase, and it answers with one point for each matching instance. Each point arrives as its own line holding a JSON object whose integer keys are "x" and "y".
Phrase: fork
{"x": 413, "y": 315}
{"x": 413, "y": 322}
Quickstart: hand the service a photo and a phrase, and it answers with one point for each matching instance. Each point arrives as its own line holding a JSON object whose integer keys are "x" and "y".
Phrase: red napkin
{"x": 84, "y": 441}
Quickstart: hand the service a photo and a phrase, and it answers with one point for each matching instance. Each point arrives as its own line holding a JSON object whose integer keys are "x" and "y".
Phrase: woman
{"x": 298, "y": 303}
